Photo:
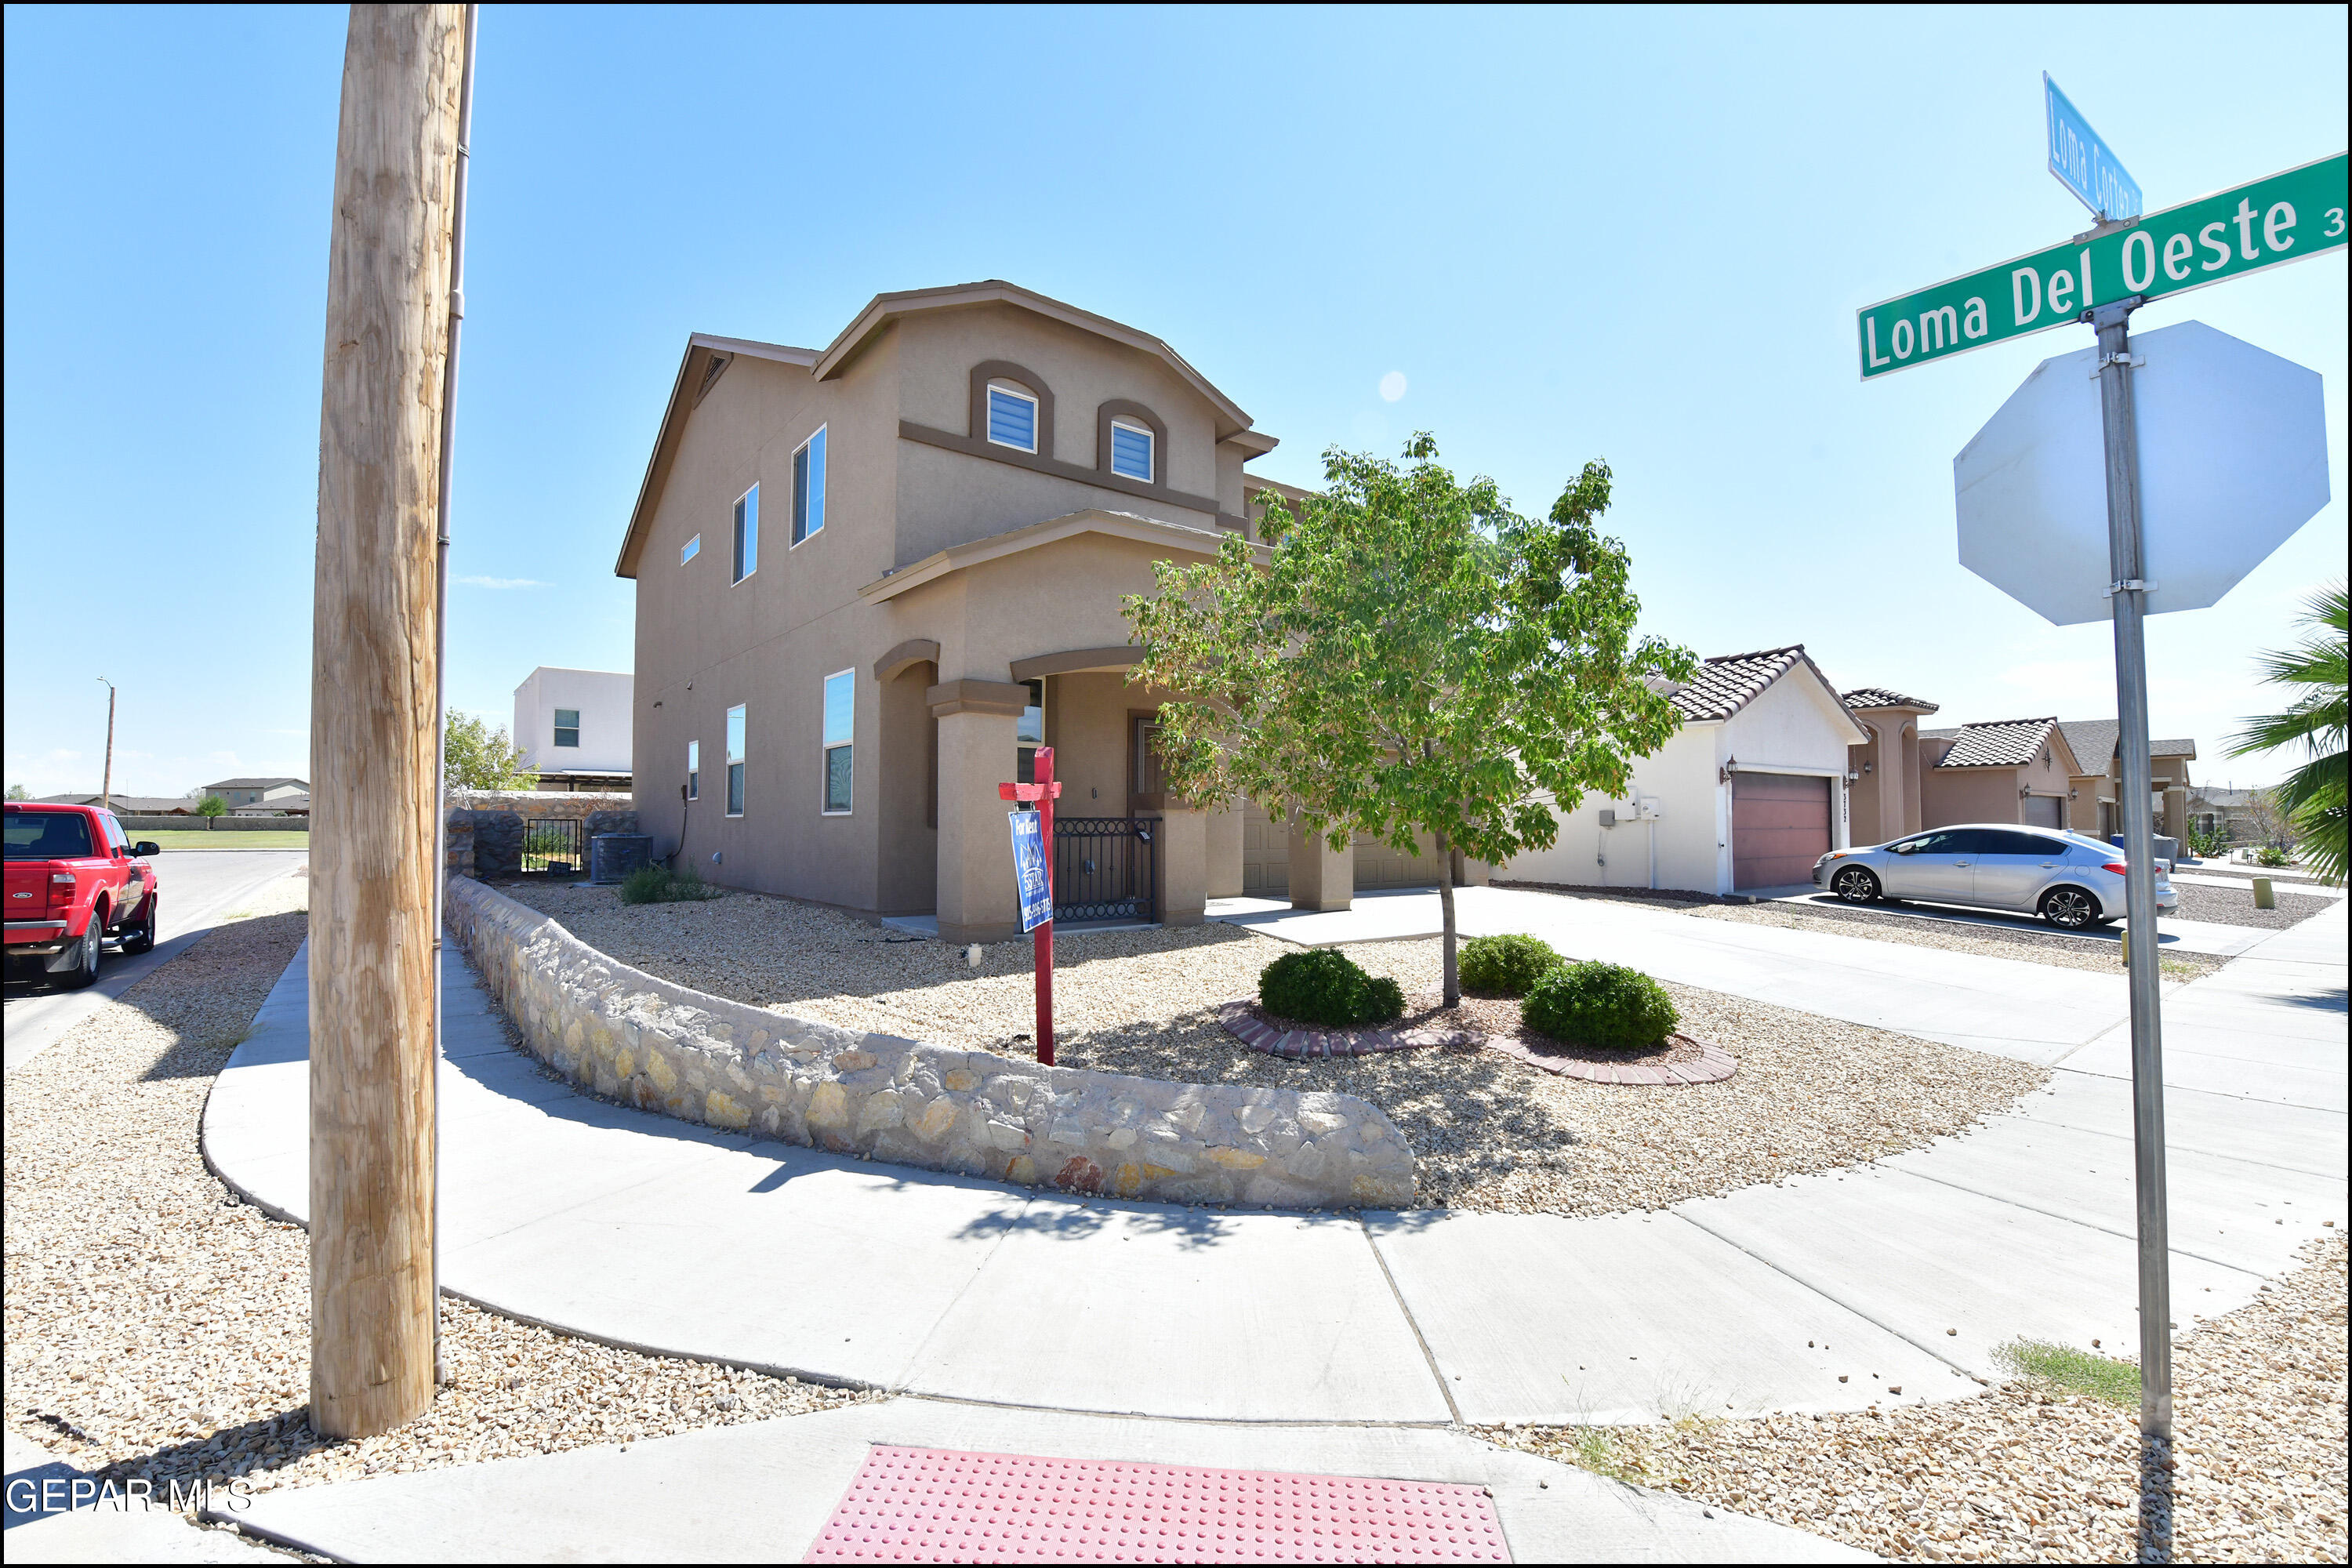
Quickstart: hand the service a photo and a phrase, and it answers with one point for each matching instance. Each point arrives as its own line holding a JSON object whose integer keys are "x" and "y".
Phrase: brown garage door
{"x": 1780, "y": 827}
{"x": 2042, "y": 811}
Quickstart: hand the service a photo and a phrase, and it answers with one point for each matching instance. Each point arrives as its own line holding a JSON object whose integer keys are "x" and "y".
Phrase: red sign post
{"x": 1044, "y": 793}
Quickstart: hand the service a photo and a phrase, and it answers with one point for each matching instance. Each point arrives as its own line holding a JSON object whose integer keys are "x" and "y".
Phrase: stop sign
{"x": 2232, "y": 458}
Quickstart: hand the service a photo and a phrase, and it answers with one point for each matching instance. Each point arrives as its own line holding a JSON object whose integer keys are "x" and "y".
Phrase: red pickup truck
{"x": 74, "y": 880}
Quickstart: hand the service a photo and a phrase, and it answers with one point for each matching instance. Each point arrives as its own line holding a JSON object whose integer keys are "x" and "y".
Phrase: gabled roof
{"x": 256, "y": 784}
{"x": 1729, "y": 682}
{"x": 2093, "y": 742}
{"x": 1012, "y": 541}
{"x": 1868, "y": 697}
{"x": 2002, "y": 744}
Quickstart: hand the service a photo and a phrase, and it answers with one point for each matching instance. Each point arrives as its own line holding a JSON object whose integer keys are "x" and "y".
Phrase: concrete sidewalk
{"x": 646, "y": 1232}
{"x": 759, "y": 1493}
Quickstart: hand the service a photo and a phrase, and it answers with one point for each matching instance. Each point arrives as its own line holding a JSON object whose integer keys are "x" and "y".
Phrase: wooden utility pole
{"x": 372, "y": 764}
{"x": 106, "y": 786}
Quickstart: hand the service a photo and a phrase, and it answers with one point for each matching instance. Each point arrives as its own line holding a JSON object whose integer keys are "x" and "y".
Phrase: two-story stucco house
{"x": 873, "y": 576}
{"x": 573, "y": 728}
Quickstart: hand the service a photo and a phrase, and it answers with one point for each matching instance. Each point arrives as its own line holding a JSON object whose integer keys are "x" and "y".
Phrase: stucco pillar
{"x": 1321, "y": 877}
{"x": 1225, "y": 854}
{"x": 1469, "y": 873}
{"x": 2176, "y": 814}
{"x": 978, "y": 750}
{"x": 1895, "y": 771}
{"x": 1183, "y": 865}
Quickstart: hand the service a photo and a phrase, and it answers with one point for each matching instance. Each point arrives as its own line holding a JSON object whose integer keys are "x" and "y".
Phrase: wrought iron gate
{"x": 557, "y": 844}
{"x": 1105, "y": 869}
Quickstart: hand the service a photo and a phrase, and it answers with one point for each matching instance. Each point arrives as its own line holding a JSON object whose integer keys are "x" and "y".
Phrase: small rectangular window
{"x": 840, "y": 730}
{"x": 735, "y": 761}
{"x": 689, "y": 550}
{"x": 1029, "y": 733}
{"x": 694, "y": 770}
{"x": 1012, "y": 419}
{"x": 808, "y": 486}
{"x": 567, "y": 726}
{"x": 747, "y": 534}
{"x": 1131, "y": 451}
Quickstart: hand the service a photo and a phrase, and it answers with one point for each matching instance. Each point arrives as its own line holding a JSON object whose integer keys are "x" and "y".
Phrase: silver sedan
{"x": 2072, "y": 882}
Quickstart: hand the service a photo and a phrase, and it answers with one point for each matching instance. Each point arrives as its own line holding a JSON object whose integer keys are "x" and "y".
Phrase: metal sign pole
{"x": 2128, "y": 593}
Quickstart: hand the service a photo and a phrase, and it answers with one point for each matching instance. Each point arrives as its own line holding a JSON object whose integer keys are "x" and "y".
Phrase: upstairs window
{"x": 747, "y": 534}
{"x": 735, "y": 761}
{"x": 840, "y": 731}
{"x": 567, "y": 726}
{"x": 1012, "y": 419}
{"x": 689, "y": 550}
{"x": 1130, "y": 450}
{"x": 808, "y": 486}
{"x": 694, "y": 770}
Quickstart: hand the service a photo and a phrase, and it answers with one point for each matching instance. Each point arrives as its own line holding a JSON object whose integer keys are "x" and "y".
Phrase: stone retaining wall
{"x": 632, "y": 1037}
{"x": 487, "y": 827}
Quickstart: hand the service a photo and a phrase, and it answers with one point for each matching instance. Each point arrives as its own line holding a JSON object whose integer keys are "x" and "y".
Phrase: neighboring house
{"x": 2010, "y": 769}
{"x": 2229, "y": 812}
{"x": 1885, "y": 768}
{"x": 1747, "y": 794}
{"x": 253, "y": 792}
{"x": 2096, "y": 743}
{"x": 129, "y": 804}
{"x": 573, "y": 727}
{"x": 294, "y": 804}
{"x": 873, "y": 577}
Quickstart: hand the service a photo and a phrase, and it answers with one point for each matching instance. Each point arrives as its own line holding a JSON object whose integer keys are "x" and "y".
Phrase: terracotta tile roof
{"x": 1728, "y": 682}
{"x": 2002, "y": 744}
{"x": 1880, "y": 696}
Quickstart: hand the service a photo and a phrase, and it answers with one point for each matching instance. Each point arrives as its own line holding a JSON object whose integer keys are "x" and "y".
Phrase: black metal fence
{"x": 1105, "y": 869}
{"x": 555, "y": 844}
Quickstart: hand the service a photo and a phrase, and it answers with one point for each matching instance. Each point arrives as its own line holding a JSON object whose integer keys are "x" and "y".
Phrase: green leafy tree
{"x": 212, "y": 806}
{"x": 476, "y": 754}
{"x": 1411, "y": 657}
{"x": 2312, "y": 798}
{"x": 18, "y": 792}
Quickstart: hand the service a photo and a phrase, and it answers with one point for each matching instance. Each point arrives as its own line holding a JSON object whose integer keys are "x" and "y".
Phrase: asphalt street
{"x": 196, "y": 891}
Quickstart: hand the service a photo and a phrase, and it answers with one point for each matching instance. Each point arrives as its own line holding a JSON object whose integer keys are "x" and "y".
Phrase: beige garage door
{"x": 1266, "y": 854}
{"x": 1378, "y": 866}
{"x": 2043, "y": 811}
{"x": 1780, "y": 827}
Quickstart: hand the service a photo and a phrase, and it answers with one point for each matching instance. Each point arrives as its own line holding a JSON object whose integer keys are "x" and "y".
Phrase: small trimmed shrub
{"x": 1604, "y": 1004}
{"x": 1324, "y": 985}
{"x": 661, "y": 885}
{"x": 1505, "y": 965}
{"x": 2271, "y": 856}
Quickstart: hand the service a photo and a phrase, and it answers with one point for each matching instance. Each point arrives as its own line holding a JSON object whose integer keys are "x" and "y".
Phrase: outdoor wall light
{"x": 1865, "y": 767}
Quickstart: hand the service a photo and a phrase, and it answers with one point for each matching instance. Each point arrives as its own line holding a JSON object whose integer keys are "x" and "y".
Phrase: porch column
{"x": 1226, "y": 853}
{"x": 2176, "y": 813}
{"x": 1894, "y": 769}
{"x": 1320, "y": 877}
{"x": 1184, "y": 865}
{"x": 978, "y": 750}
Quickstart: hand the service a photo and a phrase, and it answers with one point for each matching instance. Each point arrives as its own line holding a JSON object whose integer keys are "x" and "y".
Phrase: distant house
{"x": 2008, "y": 770}
{"x": 2096, "y": 747}
{"x": 127, "y": 805}
{"x": 573, "y": 727}
{"x": 2228, "y": 812}
{"x": 297, "y": 804}
{"x": 253, "y": 792}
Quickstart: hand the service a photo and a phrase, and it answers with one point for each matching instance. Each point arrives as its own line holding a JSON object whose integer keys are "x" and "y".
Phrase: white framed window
{"x": 840, "y": 733}
{"x": 735, "y": 761}
{"x": 689, "y": 550}
{"x": 1029, "y": 733}
{"x": 1012, "y": 417}
{"x": 694, "y": 770}
{"x": 567, "y": 726}
{"x": 808, "y": 486}
{"x": 747, "y": 534}
{"x": 1130, "y": 450}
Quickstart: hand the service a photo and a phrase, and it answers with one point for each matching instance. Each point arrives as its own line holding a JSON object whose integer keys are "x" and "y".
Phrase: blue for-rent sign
{"x": 2085, "y": 164}
{"x": 1029, "y": 866}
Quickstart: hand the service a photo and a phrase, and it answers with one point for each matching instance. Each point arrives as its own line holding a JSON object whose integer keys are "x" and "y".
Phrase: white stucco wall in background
{"x": 603, "y": 699}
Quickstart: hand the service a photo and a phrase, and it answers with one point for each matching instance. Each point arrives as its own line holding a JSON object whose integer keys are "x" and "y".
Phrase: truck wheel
{"x": 85, "y": 956}
{"x": 141, "y": 938}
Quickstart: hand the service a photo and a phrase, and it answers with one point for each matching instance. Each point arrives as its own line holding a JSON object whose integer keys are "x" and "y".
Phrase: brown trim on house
{"x": 1005, "y": 699}
{"x": 990, "y": 370}
{"x": 914, "y": 650}
{"x": 1074, "y": 660}
{"x": 1137, "y": 800}
{"x": 911, "y": 431}
{"x": 1117, "y": 407}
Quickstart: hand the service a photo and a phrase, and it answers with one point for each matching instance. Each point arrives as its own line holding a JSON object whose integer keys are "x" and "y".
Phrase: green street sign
{"x": 2280, "y": 218}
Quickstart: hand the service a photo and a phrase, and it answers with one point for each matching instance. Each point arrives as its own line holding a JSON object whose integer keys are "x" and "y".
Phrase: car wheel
{"x": 141, "y": 938}
{"x": 86, "y": 956}
{"x": 2070, "y": 909}
{"x": 1855, "y": 886}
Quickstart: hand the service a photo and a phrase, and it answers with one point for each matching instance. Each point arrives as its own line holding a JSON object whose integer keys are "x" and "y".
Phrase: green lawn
{"x": 205, "y": 838}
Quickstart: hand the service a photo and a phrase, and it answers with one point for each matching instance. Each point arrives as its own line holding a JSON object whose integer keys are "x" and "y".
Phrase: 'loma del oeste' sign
{"x": 2280, "y": 218}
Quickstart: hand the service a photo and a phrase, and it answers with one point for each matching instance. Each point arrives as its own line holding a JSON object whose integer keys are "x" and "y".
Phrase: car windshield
{"x": 48, "y": 835}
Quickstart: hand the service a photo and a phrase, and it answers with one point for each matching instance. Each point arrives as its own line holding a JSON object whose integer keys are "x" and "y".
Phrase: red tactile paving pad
{"x": 937, "y": 1505}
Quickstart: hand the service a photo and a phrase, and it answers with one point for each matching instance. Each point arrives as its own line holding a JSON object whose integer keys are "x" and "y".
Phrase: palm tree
{"x": 2313, "y": 796}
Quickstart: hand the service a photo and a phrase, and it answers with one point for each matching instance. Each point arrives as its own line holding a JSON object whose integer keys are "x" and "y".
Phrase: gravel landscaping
{"x": 2030, "y": 1472}
{"x": 2229, "y": 906}
{"x": 1489, "y": 1132}
{"x": 2055, "y": 948}
{"x": 158, "y": 1327}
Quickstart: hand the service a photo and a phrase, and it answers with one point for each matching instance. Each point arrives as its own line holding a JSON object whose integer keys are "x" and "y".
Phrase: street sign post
{"x": 2268, "y": 223}
{"x": 2084, "y": 164}
{"x": 1032, "y": 865}
{"x": 2100, "y": 281}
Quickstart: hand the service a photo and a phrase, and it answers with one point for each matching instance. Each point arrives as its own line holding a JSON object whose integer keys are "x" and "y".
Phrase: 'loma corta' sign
{"x": 2281, "y": 218}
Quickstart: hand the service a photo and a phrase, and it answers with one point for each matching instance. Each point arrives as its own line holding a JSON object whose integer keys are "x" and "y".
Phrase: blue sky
{"x": 1632, "y": 235}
